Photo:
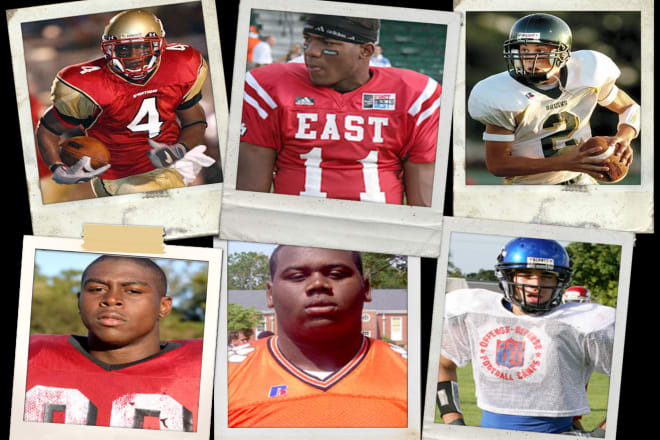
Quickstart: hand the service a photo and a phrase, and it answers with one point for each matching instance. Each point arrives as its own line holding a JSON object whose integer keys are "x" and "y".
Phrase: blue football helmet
{"x": 533, "y": 253}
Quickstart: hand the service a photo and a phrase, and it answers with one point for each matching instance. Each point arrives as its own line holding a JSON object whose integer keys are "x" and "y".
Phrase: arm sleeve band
{"x": 610, "y": 97}
{"x": 447, "y": 397}
{"x": 498, "y": 137}
{"x": 631, "y": 116}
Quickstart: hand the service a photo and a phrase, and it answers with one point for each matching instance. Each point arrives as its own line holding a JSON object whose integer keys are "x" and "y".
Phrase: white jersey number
{"x": 159, "y": 411}
{"x": 147, "y": 118}
{"x": 313, "y": 176}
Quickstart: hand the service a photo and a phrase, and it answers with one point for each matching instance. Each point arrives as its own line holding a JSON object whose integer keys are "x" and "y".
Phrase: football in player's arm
{"x": 334, "y": 126}
{"x": 141, "y": 99}
{"x": 318, "y": 370}
{"x": 536, "y": 115}
{"x": 146, "y": 382}
{"x": 531, "y": 355}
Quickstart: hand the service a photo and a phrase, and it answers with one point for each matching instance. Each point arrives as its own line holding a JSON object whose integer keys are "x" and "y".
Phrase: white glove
{"x": 192, "y": 163}
{"x": 163, "y": 155}
{"x": 81, "y": 171}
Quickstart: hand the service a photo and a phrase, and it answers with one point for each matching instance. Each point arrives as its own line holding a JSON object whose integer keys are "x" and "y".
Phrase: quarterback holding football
{"x": 336, "y": 127}
{"x": 120, "y": 374}
{"x": 318, "y": 370}
{"x": 532, "y": 356}
{"x": 536, "y": 114}
{"x": 141, "y": 100}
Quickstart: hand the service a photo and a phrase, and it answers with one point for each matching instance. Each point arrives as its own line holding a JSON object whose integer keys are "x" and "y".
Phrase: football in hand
{"x": 73, "y": 149}
{"x": 617, "y": 169}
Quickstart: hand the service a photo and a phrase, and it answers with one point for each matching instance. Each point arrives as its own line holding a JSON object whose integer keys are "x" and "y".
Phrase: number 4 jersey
{"x": 66, "y": 385}
{"x": 122, "y": 114}
{"x": 341, "y": 145}
{"x": 544, "y": 122}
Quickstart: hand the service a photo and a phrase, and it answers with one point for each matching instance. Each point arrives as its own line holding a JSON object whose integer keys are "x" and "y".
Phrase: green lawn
{"x": 597, "y": 392}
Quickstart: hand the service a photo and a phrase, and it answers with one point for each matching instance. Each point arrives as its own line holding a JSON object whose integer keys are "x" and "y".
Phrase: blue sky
{"x": 53, "y": 262}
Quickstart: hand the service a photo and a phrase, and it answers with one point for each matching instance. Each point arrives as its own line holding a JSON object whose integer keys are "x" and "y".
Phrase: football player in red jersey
{"x": 146, "y": 383}
{"x": 318, "y": 370}
{"x": 334, "y": 126}
{"x": 141, "y": 99}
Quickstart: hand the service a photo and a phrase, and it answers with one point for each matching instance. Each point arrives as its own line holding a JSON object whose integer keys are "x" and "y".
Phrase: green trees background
{"x": 55, "y": 310}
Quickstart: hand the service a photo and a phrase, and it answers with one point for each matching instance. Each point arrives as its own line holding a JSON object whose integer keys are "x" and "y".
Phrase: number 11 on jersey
{"x": 314, "y": 174}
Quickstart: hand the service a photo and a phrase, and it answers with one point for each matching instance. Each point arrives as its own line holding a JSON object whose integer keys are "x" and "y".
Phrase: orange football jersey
{"x": 266, "y": 390}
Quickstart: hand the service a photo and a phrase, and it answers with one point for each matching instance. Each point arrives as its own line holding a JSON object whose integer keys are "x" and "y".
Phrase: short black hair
{"x": 357, "y": 260}
{"x": 147, "y": 263}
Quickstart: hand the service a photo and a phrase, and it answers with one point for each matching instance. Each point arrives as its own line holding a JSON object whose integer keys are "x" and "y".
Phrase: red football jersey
{"x": 266, "y": 390}
{"x": 122, "y": 114}
{"x": 341, "y": 145}
{"x": 66, "y": 385}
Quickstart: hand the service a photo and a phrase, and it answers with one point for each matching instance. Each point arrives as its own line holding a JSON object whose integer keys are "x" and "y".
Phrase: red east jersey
{"x": 126, "y": 114}
{"x": 266, "y": 390}
{"x": 66, "y": 385}
{"x": 342, "y": 145}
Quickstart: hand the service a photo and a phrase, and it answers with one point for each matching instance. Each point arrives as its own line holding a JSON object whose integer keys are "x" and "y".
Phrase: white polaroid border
{"x": 223, "y": 432}
{"x": 395, "y": 229}
{"x": 432, "y": 430}
{"x": 183, "y": 212}
{"x": 613, "y": 207}
{"x": 19, "y": 429}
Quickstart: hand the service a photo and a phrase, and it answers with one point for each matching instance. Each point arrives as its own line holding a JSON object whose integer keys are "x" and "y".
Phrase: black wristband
{"x": 459, "y": 422}
{"x": 55, "y": 166}
{"x": 447, "y": 397}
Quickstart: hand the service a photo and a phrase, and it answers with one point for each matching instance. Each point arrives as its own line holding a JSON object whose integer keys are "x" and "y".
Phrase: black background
{"x": 639, "y": 381}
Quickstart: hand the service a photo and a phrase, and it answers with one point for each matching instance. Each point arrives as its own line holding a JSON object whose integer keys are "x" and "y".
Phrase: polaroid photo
{"x": 528, "y": 332}
{"x": 523, "y": 118}
{"x": 114, "y": 344}
{"x": 153, "y": 108}
{"x": 364, "y": 152}
{"x": 359, "y": 310}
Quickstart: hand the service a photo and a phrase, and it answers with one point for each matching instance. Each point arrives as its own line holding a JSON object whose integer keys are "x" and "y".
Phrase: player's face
{"x": 333, "y": 63}
{"x": 120, "y": 303}
{"x": 533, "y": 63}
{"x": 539, "y": 286}
{"x": 317, "y": 294}
{"x": 133, "y": 53}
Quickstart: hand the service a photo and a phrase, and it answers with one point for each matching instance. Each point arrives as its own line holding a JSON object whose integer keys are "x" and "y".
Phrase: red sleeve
{"x": 425, "y": 111}
{"x": 261, "y": 120}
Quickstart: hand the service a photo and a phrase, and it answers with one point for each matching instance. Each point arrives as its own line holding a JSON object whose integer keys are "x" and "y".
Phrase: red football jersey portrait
{"x": 123, "y": 114}
{"x": 66, "y": 385}
{"x": 341, "y": 145}
{"x": 266, "y": 390}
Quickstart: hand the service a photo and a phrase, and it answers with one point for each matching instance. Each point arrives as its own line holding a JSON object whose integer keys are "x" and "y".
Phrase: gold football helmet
{"x": 132, "y": 42}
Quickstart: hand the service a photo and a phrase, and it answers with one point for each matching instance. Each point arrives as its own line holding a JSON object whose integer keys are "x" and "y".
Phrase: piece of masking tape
{"x": 123, "y": 238}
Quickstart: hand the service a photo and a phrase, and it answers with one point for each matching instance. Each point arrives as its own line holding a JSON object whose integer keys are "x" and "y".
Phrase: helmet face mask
{"x": 542, "y": 30}
{"x": 546, "y": 261}
{"x": 132, "y": 43}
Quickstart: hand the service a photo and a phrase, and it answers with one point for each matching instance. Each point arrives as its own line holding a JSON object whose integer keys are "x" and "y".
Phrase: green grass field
{"x": 597, "y": 393}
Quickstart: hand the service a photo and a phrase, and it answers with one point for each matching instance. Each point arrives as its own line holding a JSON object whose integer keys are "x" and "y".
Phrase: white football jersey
{"x": 530, "y": 365}
{"x": 544, "y": 122}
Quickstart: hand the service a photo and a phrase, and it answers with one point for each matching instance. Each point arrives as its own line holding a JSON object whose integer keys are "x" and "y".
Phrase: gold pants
{"x": 155, "y": 180}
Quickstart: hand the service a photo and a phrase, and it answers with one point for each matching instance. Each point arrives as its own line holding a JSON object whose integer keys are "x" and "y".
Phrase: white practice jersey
{"x": 544, "y": 122}
{"x": 531, "y": 365}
